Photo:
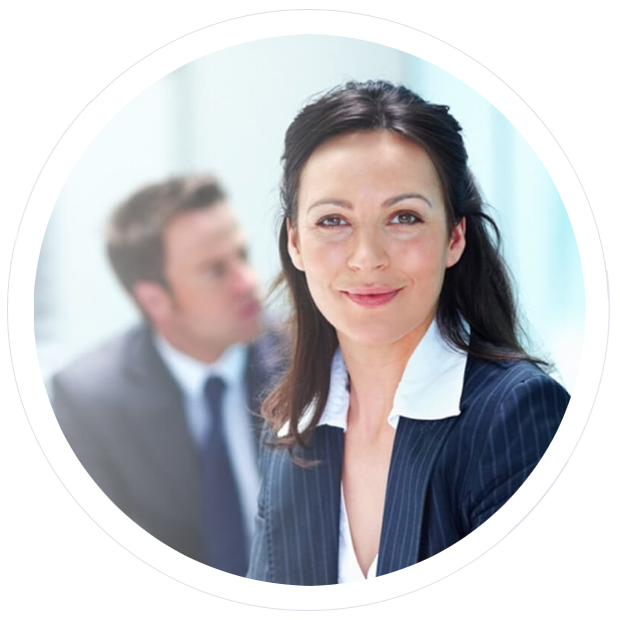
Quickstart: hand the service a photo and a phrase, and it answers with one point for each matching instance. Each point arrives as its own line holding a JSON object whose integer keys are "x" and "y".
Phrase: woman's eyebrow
{"x": 392, "y": 201}
{"x": 388, "y": 203}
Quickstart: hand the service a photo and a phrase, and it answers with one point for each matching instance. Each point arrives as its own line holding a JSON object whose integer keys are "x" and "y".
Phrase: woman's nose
{"x": 367, "y": 251}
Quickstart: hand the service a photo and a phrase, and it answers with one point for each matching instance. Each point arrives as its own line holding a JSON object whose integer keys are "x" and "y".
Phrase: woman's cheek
{"x": 326, "y": 254}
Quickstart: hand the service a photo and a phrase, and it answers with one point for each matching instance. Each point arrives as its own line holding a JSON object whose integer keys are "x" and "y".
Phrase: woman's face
{"x": 372, "y": 236}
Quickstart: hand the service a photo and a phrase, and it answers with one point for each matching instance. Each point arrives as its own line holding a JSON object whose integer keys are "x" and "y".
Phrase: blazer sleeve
{"x": 558, "y": 550}
{"x": 84, "y": 467}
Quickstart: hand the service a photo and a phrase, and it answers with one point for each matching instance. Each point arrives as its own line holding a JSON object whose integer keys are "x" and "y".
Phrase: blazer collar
{"x": 430, "y": 388}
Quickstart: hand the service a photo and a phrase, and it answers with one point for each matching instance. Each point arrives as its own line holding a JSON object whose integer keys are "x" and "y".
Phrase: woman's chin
{"x": 373, "y": 336}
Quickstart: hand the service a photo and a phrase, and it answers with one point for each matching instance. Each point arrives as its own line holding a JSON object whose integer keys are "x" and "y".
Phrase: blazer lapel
{"x": 155, "y": 412}
{"x": 305, "y": 514}
{"x": 416, "y": 447}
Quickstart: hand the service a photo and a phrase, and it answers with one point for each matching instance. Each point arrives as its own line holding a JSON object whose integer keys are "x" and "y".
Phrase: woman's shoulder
{"x": 488, "y": 378}
{"x": 504, "y": 389}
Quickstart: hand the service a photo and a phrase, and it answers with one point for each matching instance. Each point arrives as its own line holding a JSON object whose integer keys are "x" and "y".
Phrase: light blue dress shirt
{"x": 191, "y": 375}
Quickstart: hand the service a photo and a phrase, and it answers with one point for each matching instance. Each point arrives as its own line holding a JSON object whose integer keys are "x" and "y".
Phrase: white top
{"x": 191, "y": 375}
{"x": 430, "y": 389}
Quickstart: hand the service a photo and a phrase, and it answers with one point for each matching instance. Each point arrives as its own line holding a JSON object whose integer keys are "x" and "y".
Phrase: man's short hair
{"x": 134, "y": 240}
{"x": 600, "y": 162}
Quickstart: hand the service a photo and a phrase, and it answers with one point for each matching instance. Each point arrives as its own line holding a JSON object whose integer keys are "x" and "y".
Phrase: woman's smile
{"x": 372, "y": 297}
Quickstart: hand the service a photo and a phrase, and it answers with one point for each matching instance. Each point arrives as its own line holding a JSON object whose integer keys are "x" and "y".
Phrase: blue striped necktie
{"x": 225, "y": 540}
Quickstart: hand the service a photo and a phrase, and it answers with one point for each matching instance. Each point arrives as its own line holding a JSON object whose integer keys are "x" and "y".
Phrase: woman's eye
{"x": 404, "y": 218}
{"x": 331, "y": 221}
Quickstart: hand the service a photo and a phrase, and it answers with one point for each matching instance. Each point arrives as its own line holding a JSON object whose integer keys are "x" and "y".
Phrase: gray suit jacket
{"x": 122, "y": 414}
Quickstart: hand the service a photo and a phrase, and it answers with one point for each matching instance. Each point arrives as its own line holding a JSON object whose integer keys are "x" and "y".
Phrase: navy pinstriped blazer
{"x": 446, "y": 477}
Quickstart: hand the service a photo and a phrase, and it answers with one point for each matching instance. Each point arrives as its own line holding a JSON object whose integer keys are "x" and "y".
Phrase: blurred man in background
{"x": 162, "y": 417}
{"x": 600, "y": 162}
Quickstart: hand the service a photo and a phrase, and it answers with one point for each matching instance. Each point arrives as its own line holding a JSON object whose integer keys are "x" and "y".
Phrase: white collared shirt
{"x": 191, "y": 376}
{"x": 430, "y": 389}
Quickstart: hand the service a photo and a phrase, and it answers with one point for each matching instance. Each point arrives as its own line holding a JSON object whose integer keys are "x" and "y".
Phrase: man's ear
{"x": 293, "y": 245}
{"x": 154, "y": 299}
{"x": 457, "y": 243}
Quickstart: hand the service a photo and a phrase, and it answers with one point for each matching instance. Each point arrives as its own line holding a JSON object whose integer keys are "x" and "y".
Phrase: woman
{"x": 410, "y": 411}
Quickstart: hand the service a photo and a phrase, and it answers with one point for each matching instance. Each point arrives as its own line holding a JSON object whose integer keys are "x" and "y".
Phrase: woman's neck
{"x": 374, "y": 373}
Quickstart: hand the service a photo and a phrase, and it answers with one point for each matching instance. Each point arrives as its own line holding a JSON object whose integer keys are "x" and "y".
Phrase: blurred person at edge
{"x": 600, "y": 162}
{"x": 162, "y": 417}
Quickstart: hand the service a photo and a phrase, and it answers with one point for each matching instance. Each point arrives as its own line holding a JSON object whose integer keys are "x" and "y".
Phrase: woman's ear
{"x": 457, "y": 243}
{"x": 293, "y": 245}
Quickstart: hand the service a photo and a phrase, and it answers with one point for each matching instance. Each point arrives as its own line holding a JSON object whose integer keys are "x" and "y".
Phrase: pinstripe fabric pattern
{"x": 446, "y": 478}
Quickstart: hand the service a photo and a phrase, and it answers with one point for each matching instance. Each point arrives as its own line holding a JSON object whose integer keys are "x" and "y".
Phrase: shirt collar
{"x": 430, "y": 388}
{"x": 191, "y": 374}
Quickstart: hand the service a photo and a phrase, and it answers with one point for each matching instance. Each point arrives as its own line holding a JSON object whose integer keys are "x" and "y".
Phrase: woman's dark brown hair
{"x": 476, "y": 291}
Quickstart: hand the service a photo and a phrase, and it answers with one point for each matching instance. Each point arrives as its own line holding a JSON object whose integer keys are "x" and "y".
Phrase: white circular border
{"x": 439, "y": 40}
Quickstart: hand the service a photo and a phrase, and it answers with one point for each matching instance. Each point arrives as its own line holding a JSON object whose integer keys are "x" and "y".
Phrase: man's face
{"x": 212, "y": 296}
{"x": 607, "y": 228}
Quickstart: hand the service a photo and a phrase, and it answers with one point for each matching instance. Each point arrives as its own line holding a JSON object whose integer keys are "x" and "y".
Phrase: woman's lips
{"x": 372, "y": 301}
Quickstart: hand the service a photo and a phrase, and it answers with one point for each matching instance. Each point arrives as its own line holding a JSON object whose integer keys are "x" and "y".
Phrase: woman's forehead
{"x": 367, "y": 162}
